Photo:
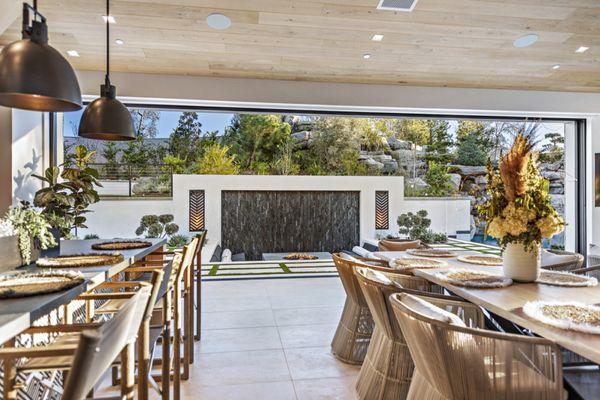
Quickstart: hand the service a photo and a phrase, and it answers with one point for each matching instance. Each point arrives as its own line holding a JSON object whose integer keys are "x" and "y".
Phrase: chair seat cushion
{"x": 549, "y": 258}
{"x": 428, "y": 310}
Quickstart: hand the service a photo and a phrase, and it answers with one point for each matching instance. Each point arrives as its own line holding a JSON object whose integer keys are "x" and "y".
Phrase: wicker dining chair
{"x": 388, "y": 367}
{"x": 59, "y": 354}
{"x": 398, "y": 245}
{"x": 353, "y": 334}
{"x": 453, "y": 361}
{"x": 572, "y": 262}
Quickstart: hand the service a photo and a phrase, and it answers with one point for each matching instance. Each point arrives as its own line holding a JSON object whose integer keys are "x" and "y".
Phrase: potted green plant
{"x": 69, "y": 192}
{"x": 23, "y": 233}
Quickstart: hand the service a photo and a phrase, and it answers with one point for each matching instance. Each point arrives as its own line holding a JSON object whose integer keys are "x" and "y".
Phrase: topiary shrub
{"x": 416, "y": 227}
{"x": 157, "y": 226}
{"x": 177, "y": 241}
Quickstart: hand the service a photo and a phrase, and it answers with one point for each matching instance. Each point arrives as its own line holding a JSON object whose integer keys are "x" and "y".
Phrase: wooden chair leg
{"x": 177, "y": 363}
{"x": 10, "y": 375}
{"x": 143, "y": 350}
{"x": 128, "y": 372}
{"x": 188, "y": 341}
{"x": 189, "y": 330}
{"x": 166, "y": 350}
{"x": 198, "y": 284}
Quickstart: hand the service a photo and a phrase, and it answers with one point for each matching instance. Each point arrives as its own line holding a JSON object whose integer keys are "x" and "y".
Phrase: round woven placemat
{"x": 121, "y": 245}
{"x": 473, "y": 279}
{"x": 561, "y": 278}
{"x": 481, "y": 260}
{"x": 431, "y": 253}
{"x": 409, "y": 263}
{"x": 80, "y": 260}
{"x": 23, "y": 284}
{"x": 573, "y": 316}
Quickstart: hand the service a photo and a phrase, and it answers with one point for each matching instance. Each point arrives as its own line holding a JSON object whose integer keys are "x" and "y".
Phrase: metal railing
{"x": 130, "y": 180}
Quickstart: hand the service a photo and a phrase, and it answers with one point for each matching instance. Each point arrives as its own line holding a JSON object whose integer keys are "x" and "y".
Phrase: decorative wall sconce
{"x": 382, "y": 209}
{"x": 197, "y": 221}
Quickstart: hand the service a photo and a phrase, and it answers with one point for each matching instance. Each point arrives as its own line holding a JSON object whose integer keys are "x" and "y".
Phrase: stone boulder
{"x": 376, "y": 165}
{"x": 397, "y": 144}
{"x": 558, "y": 202}
{"x": 469, "y": 170}
{"x": 416, "y": 183}
{"x": 390, "y": 167}
{"x": 455, "y": 180}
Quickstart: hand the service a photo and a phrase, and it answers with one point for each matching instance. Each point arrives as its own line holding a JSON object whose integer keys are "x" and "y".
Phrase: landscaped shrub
{"x": 438, "y": 179}
{"x": 155, "y": 226}
{"x": 416, "y": 227}
{"x": 90, "y": 236}
{"x": 178, "y": 241}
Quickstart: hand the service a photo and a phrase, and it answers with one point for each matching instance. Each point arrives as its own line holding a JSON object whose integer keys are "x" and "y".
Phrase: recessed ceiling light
{"x": 366, "y": 56}
{"x": 377, "y": 38}
{"x": 557, "y": 66}
{"x": 73, "y": 53}
{"x": 119, "y": 41}
{"x": 526, "y": 40}
{"x": 109, "y": 18}
{"x": 218, "y": 21}
{"x": 582, "y": 49}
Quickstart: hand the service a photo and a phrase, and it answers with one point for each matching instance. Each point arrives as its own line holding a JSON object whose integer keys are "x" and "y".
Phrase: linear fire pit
{"x": 321, "y": 255}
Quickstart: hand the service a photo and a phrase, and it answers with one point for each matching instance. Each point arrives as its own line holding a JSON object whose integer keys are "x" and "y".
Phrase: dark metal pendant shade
{"x": 34, "y": 76}
{"x": 106, "y": 118}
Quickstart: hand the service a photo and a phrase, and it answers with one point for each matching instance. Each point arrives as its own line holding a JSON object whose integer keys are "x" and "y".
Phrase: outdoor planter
{"x": 10, "y": 255}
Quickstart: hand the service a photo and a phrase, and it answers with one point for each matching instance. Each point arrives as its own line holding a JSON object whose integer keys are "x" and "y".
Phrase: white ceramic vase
{"x": 521, "y": 265}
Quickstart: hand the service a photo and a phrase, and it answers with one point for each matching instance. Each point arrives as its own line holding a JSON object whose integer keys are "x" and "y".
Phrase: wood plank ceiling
{"x": 458, "y": 43}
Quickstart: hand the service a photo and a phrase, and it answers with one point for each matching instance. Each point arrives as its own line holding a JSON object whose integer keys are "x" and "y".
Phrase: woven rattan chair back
{"x": 574, "y": 263}
{"x": 97, "y": 349}
{"x": 345, "y": 266}
{"x": 456, "y": 362}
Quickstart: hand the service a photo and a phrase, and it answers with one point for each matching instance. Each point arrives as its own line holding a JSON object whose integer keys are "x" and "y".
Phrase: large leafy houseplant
{"x": 31, "y": 228}
{"x": 69, "y": 192}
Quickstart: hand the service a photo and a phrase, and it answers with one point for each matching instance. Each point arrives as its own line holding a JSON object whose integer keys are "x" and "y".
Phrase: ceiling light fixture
{"x": 557, "y": 66}
{"x": 525, "y": 41}
{"x": 377, "y": 38}
{"x": 582, "y": 49}
{"x": 119, "y": 42}
{"x": 218, "y": 21}
{"x": 73, "y": 53}
{"x": 106, "y": 118}
{"x": 109, "y": 18}
{"x": 366, "y": 56}
{"x": 34, "y": 75}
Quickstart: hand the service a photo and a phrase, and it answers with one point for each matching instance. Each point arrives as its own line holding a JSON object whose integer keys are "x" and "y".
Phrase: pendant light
{"x": 106, "y": 118}
{"x": 34, "y": 75}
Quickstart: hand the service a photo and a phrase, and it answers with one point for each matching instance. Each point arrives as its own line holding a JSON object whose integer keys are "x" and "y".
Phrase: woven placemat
{"x": 474, "y": 279}
{"x": 481, "y": 260}
{"x": 80, "y": 260}
{"x": 573, "y": 316}
{"x": 122, "y": 245}
{"x": 409, "y": 263}
{"x": 431, "y": 253}
{"x": 23, "y": 284}
{"x": 561, "y": 278}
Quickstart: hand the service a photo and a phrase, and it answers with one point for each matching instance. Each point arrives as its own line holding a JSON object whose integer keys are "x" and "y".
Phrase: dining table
{"x": 18, "y": 314}
{"x": 507, "y": 302}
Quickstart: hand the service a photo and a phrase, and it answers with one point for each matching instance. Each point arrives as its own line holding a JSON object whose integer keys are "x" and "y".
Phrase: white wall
{"x": 448, "y": 215}
{"x": 29, "y": 152}
{"x": 214, "y": 184}
{"x": 120, "y": 218}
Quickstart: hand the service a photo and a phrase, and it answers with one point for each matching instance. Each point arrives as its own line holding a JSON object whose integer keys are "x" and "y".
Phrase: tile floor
{"x": 270, "y": 339}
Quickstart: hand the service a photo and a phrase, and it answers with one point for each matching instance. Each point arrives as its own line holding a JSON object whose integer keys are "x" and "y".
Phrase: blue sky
{"x": 213, "y": 121}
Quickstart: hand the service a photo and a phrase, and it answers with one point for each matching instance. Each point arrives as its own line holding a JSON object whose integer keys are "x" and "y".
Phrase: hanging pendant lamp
{"x": 33, "y": 75}
{"x": 106, "y": 118}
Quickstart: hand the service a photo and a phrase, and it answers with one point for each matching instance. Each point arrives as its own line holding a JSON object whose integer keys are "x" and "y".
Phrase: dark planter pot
{"x": 10, "y": 255}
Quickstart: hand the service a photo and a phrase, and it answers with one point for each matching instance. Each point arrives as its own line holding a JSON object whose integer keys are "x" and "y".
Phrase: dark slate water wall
{"x": 256, "y": 222}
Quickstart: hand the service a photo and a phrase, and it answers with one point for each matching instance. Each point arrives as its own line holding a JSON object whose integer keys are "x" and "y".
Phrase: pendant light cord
{"x": 107, "y": 78}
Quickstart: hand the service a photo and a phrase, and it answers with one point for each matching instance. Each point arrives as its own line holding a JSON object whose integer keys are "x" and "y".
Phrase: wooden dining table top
{"x": 18, "y": 314}
{"x": 508, "y": 302}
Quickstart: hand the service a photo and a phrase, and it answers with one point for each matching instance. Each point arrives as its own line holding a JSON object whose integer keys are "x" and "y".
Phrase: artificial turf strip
{"x": 285, "y": 268}
{"x": 213, "y": 270}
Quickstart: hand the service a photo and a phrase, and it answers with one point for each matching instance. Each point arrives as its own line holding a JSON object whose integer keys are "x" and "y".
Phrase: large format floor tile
{"x": 326, "y": 389}
{"x": 243, "y": 339}
{"x": 314, "y": 335}
{"x": 307, "y": 315}
{"x": 316, "y": 362}
{"x": 253, "y": 391}
{"x": 237, "y": 319}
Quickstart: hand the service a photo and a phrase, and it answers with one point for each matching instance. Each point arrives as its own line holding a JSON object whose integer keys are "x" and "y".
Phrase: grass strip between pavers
{"x": 214, "y": 270}
{"x": 285, "y": 268}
